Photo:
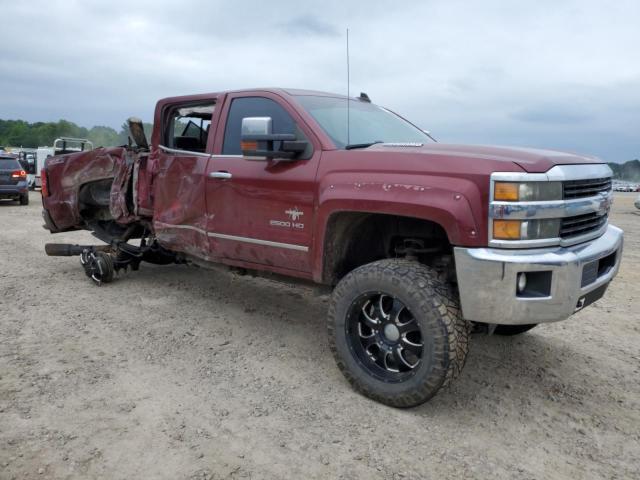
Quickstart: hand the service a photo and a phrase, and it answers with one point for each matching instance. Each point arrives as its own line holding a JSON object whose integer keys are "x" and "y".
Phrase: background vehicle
{"x": 419, "y": 241}
{"x": 28, "y": 160}
{"x": 13, "y": 179}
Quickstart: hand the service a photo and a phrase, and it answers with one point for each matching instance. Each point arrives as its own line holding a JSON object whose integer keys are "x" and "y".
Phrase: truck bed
{"x": 97, "y": 186}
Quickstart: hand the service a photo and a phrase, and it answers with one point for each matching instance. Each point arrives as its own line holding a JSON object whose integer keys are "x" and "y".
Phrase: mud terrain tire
{"x": 430, "y": 302}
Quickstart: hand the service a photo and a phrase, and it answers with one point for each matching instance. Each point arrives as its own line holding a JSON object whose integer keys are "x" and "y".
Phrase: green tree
{"x": 18, "y": 133}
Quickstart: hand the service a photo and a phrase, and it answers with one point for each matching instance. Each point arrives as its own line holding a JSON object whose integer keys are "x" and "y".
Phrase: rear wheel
{"x": 396, "y": 332}
{"x": 24, "y": 199}
{"x": 509, "y": 330}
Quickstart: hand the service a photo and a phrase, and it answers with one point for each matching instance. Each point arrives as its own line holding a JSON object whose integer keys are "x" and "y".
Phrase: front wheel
{"x": 396, "y": 332}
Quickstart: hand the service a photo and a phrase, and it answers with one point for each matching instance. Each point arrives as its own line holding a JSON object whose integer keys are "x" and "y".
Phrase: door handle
{"x": 220, "y": 174}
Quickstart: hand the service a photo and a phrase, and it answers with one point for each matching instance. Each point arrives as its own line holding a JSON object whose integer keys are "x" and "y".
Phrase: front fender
{"x": 453, "y": 203}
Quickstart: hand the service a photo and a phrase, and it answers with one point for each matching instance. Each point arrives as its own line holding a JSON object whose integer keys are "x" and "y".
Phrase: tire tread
{"x": 437, "y": 300}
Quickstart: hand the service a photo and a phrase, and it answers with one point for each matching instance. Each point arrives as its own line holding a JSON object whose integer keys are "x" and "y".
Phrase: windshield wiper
{"x": 361, "y": 145}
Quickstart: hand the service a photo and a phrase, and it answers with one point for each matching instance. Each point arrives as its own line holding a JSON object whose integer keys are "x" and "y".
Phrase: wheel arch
{"x": 352, "y": 238}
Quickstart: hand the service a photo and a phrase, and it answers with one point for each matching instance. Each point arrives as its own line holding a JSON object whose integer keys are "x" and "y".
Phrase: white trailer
{"x": 41, "y": 155}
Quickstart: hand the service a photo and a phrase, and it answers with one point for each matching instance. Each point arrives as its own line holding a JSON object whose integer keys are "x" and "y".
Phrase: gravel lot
{"x": 177, "y": 372}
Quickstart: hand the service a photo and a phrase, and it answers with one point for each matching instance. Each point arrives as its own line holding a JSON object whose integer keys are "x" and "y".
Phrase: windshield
{"x": 368, "y": 123}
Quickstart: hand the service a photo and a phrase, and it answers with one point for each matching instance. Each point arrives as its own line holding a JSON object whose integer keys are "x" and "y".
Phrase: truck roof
{"x": 294, "y": 92}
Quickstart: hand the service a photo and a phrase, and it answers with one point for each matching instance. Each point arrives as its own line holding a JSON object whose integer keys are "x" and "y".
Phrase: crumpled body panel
{"x": 180, "y": 211}
{"x": 67, "y": 174}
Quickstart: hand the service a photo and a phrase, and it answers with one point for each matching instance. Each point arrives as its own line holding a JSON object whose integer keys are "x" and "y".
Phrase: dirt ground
{"x": 182, "y": 373}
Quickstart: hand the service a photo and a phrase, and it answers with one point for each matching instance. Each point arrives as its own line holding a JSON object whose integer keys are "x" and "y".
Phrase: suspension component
{"x": 412, "y": 248}
{"x": 101, "y": 262}
{"x": 68, "y": 250}
{"x": 98, "y": 266}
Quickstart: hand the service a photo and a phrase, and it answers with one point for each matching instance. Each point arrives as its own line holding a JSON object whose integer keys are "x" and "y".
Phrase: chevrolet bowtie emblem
{"x": 294, "y": 213}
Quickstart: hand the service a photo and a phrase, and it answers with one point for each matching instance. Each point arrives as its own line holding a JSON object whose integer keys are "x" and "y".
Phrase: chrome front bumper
{"x": 487, "y": 279}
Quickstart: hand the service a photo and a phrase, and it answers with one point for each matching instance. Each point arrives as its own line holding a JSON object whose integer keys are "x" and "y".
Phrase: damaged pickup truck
{"x": 419, "y": 241}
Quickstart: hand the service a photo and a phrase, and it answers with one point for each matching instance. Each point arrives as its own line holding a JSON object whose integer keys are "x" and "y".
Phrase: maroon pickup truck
{"x": 419, "y": 241}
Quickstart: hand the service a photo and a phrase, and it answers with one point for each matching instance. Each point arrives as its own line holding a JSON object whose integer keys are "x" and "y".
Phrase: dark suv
{"x": 13, "y": 180}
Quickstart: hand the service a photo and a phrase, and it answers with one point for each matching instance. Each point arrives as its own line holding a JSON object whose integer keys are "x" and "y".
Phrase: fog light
{"x": 522, "y": 282}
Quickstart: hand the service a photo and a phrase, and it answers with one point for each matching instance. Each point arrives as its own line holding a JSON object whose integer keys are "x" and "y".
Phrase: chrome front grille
{"x": 585, "y": 188}
{"x": 582, "y": 224}
{"x": 578, "y": 212}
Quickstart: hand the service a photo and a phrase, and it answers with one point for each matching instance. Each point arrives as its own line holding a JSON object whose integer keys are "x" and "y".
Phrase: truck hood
{"x": 529, "y": 159}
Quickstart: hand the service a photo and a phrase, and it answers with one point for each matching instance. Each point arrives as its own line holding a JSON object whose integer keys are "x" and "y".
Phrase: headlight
{"x": 527, "y": 191}
{"x": 526, "y": 229}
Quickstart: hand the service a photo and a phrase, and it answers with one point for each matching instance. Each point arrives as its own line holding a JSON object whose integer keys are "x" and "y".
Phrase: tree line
{"x": 628, "y": 171}
{"x": 18, "y": 133}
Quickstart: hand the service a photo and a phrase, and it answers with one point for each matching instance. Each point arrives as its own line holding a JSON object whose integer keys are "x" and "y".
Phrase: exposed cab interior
{"x": 187, "y": 127}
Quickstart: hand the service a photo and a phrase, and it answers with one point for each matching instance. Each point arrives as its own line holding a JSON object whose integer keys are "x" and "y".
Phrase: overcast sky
{"x": 554, "y": 74}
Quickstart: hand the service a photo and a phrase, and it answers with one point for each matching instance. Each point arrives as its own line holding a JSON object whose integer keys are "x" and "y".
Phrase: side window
{"x": 187, "y": 126}
{"x": 253, "y": 107}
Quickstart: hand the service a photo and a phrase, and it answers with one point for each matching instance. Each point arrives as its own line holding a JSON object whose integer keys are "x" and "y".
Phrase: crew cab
{"x": 418, "y": 241}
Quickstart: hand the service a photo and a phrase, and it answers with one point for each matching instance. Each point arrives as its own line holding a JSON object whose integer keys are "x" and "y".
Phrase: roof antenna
{"x": 348, "y": 91}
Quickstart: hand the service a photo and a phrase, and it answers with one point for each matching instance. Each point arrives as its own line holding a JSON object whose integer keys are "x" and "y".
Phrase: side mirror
{"x": 258, "y": 141}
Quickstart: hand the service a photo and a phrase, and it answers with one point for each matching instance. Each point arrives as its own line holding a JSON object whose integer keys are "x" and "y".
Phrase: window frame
{"x": 299, "y": 120}
{"x": 168, "y": 126}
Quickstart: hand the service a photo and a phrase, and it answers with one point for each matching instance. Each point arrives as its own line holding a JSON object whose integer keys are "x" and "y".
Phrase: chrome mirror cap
{"x": 256, "y": 126}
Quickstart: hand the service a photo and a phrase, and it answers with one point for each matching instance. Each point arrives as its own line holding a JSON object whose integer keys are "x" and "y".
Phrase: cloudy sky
{"x": 550, "y": 73}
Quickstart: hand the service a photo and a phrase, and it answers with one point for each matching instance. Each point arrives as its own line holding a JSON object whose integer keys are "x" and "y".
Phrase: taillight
{"x": 43, "y": 183}
{"x": 19, "y": 174}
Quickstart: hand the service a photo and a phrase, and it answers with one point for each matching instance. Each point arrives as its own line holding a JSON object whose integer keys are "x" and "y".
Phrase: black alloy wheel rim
{"x": 384, "y": 336}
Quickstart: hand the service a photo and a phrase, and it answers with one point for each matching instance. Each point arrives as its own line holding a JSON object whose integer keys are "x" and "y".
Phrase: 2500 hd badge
{"x": 294, "y": 214}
